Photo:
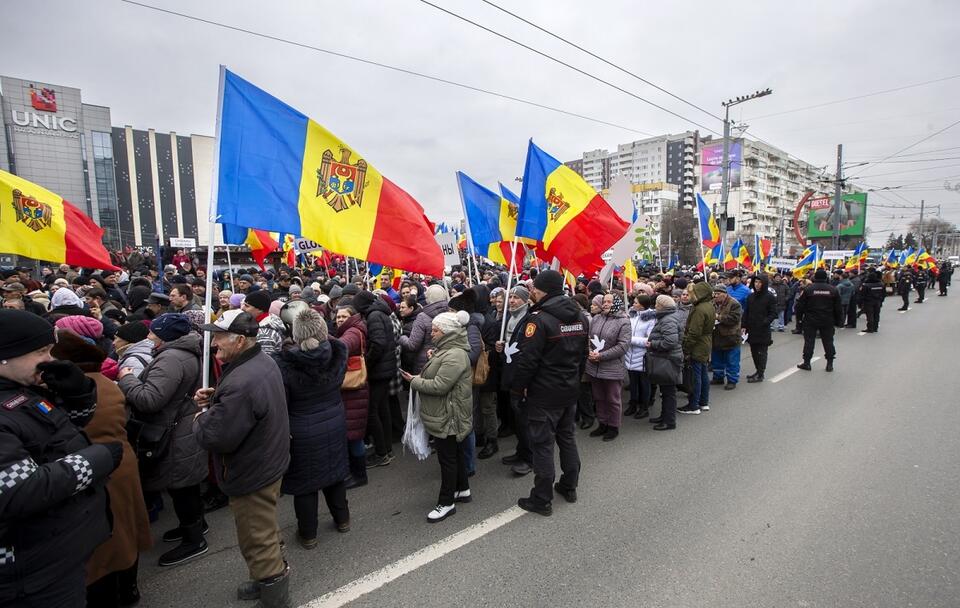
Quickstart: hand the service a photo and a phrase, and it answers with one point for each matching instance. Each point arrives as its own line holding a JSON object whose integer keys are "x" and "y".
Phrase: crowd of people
{"x": 106, "y": 412}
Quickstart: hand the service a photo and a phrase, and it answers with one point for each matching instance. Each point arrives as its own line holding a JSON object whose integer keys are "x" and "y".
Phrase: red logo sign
{"x": 44, "y": 99}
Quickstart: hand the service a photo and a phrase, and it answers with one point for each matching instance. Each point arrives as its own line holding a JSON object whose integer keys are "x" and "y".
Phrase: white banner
{"x": 305, "y": 246}
{"x": 837, "y": 254}
{"x": 183, "y": 243}
{"x": 448, "y": 243}
{"x": 783, "y": 263}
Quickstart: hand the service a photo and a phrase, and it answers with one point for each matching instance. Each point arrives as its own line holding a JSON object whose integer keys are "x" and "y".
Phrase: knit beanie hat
{"x": 550, "y": 282}
{"x": 259, "y": 299}
{"x": 133, "y": 332}
{"x": 309, "y": 329}
{"x": 466, "y": 301}
{"x": 664, "y": 303}
{"x": 451, "y": 321}
{"x": 351, "y": 289}
{"x": 521, "y": 292}
{"x": 236, "y": 300}
{"x": 597, "y": 301}
{"x": 819, "y": 275}
{"x": 87, "y": 327}
{"x": 336, "y": 292}
{"x": 170, "y": 326}
{"x": 436, "y": 293}
{"x": 275, "y": 307}
{"x": 23, "y": 332}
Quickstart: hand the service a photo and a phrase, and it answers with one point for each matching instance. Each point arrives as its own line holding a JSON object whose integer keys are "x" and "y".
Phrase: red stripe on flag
{"x": 403, "y": 236}
{"x": 586, "y": 237}
{"x": 83, "y": 241}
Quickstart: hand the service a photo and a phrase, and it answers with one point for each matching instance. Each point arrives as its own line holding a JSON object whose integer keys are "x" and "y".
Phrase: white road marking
{"x": 373, "y": 581}
{"x": 790, "y": 372}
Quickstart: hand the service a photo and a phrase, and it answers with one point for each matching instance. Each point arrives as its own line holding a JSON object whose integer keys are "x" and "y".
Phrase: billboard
{"x": 853, "y": 216}
{"x": 711, "y": 163}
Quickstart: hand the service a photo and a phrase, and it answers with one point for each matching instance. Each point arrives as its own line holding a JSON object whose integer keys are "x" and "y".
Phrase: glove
{"x": 116, "y": 452}
{"x": 63, "y": 377}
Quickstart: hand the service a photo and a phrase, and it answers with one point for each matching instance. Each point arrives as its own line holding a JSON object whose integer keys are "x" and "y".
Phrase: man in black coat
{"x": 871, "y": 295}
{"x": 819, "y": 306}
{"x": 904, "y": 285}
{"x": 381, "y": 359}
{"x": 762, "y": 311}
{"x": 53, "y": 503}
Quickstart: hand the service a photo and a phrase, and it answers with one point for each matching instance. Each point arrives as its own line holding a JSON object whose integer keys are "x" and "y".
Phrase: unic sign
{"x": 44, "y": 124}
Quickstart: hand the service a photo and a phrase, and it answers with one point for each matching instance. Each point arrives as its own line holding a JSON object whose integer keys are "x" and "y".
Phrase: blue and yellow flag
{"x": 281, "y": 171}
{"x": 492, "y": 219}
{"x": 808, "y": 261}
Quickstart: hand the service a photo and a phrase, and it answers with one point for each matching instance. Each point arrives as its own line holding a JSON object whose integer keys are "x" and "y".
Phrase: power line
{"x": 598, "y": 57}
{"x": 855, "y": 97}
{"x": 384, "y": 66}
{"x": 910, "y": 171}
{"x": 561, "y": 62}
{"x": 922, "y": 153}
{"x": 916, "y": 143}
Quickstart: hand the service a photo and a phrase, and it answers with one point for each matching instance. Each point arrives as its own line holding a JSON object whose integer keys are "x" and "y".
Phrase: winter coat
{"x": 780, "y": 291}
{"x": 740, "y": 293}
{"x": 381, "y": 356}
{"x": 490, "y": 334}
{"x": 353, "y": 334}
{"x": 419, "y": 339}
{"x": 726, "y": 333}
{"x": 846, "y": 289}
{"x": 163, "y": 395}
{"x": 683, "y": 313}
{"x": 475, "y": 337}
{"x": 408, "y": 358}
{"x": 446, "y": 388}
{"x": 641, "y": 324}
{"x": 246, "y": 428}
{"x": 761, "y": 312}
{"x": 270, "y": 335}
{"x": 318, "y": 422}
{"x": 698, "y": 335}
{"x": 665, "y": 337}
{"x": 614, "y": 330}
{"x": 131, "y": 524}
{"x": 136, "y": 356}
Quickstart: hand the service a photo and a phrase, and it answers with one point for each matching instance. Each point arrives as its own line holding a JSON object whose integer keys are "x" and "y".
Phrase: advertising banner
{"x": 853, "y": 216}
{"x": 711, "y": 164}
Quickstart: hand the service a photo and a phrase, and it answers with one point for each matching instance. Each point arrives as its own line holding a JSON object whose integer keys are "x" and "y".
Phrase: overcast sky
{"x": 160, "y": 71}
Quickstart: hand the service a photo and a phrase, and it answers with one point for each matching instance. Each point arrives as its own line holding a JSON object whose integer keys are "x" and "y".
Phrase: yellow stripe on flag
{"x": 38, "y": 230}
{"x": 577, "y": 194}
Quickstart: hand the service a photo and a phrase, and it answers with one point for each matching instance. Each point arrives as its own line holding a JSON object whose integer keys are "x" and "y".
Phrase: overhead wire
{"x": 916, "y": 143}
{"x": 384, "y": 66}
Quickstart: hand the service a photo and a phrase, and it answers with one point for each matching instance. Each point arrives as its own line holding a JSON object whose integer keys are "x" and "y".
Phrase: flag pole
{"x": 506, "y": 297}
{"x": 346, "y": 261}
{"x": 212, "y": 219}
{"x": 230, "y": 267}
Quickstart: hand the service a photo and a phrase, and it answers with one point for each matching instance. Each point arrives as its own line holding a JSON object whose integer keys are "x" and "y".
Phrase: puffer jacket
{"x": 446, "y": 387}
{"x": 614, "y": 330}
{"x": 761, "y": 312}
{"x": 356, "y": 403}
{"x": 665, "y": 337}
{"x": 381, "y": 356}
{"x": 318, "y": 424}
{"x": 270, "y": 335}
{"x": 475, "y": 336}
{"x": 641, "y": 324}
{"x": 419, "y": 340}
{"x": 726, "y": 333}
{"x": 136, "y": 356}
{"x": 163, "y": 395}
{"x": 698, "y": 335}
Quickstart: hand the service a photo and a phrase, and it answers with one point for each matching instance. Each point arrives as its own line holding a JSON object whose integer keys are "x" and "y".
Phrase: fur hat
{"x": 451, "y": 321}
{"x": 466, "y": 301}
{"x": 436, "y": 293}
{"x": 72, "y": 347}
{"x": 309, "y": 329}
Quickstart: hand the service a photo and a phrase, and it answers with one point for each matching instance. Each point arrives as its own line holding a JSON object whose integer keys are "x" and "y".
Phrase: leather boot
{"x": 193, "y": 545}
{"x": 631, "y": 409}
{"x": 489, "y": 450}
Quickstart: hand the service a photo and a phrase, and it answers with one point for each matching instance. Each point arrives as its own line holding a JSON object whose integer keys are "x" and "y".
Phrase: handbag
{"x": 356, "y": 376}
{"x": 686, "y": 381}
{"x": 151, "y": 442}
{"x": 482, "y": 370}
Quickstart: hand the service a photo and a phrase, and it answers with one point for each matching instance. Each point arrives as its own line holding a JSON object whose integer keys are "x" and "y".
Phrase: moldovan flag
{"x": 260, "y": 242}
{"x": 282, "y": 172}
{"x": 737, "y": 256}
{"x": 761, "y": 252}
{"x": 492, "y": 220}
{"x": 563, "y": 211}
{"x": 709, "y": 231}
{"x": 39, "y": 224}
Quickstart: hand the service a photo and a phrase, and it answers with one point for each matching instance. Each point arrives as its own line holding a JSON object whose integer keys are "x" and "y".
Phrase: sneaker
{"x": 440, "y": 513}
{"x": 611, "y": 433}
{"x": 343, "y": 527}
{"x": 527, "y": 504}
{"x": 462, "y": 496}
{"x": 214, "y": 501}
{"x": 176, "y": 535}
{"x": 687, "y": 410}
{"x": 704, "y": 408}
{"x": 568, "y": 495}
{"x": 378, "y": 461}
{"x": 307, "y": 543}
{"x": 183, "y": 553}
{"x": 521, "y": 468}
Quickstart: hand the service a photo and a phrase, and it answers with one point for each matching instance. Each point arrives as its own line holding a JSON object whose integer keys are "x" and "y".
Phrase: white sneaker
{"x": 704, "y": 408}
{"x": 463, "y": 496}
{"x": 440, "y": 513}
{"x": 683, "y": 410}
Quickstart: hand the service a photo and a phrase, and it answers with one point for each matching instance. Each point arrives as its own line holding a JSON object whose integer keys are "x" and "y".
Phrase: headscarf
{"x": 617, "y": 303}
{"x": 65, "y": 297}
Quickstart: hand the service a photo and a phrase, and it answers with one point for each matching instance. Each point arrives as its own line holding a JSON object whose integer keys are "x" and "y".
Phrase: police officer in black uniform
{"x": 904, "y": 285}
{"x": 53, "y": 503}
{"x": 822, "y": 312}
{"x": 920, "y": 282}
{"x": 547, "y": 369}
{"x": 871, "y": 294}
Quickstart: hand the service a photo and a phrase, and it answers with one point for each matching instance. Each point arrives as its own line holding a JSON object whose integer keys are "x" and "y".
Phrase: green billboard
{"x": 853, "y": 216}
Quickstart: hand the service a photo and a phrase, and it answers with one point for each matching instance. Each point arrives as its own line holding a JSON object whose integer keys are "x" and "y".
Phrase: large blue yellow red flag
{"x": 492, "y": 219}
{"x": 859, "y": 256}
{"x": 563, "y": 211}
{"x": 808, "y": 261}
{"x": 713, "y": 255}
{"x": 761, "y": 252}
{"x": 908, "y": 256}
{"x": 260, "y": 242}
{"x": 890, "y": 259}
{"x": 629, "y": 275}
{"x": 709, "y": 230}
{"x": 737, "y": 256}
{"x": 925, "y": 260}
{"x": 281, "y": 171}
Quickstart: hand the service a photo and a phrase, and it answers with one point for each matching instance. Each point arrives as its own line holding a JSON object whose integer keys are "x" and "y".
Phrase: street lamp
{"x": 725, "y": 169}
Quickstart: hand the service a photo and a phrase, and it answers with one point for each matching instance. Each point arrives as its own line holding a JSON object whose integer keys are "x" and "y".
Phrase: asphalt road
{"x": 819, "y": 490}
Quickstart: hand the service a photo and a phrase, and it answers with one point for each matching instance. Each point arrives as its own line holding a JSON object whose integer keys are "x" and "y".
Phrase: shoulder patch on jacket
{"x": 530, "y": 330}
{"x": 15, "y": 401}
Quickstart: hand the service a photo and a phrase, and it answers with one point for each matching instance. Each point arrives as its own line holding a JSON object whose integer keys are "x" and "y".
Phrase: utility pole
{"x": 725, "y": 168}
{"x": 920, "y": 229}
{"x": 838, "y": 197}
{"x": 936, "y": 231}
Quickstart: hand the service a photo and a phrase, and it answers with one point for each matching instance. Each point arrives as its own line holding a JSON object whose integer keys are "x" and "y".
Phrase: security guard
{"x": 551, "y": 359}
{"x": 920, "y": 282}
{"x": 904, "y": 285}
{"x": 53, "y": 503}
{"x": 819, "y": 305}
{"x": 871, "y": 294}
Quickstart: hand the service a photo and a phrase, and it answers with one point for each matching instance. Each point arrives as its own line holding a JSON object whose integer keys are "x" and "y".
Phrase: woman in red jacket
{"x": 352, "y": 331}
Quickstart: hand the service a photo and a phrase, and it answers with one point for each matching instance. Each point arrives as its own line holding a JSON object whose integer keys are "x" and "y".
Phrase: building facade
{"x": 138, "y": 185}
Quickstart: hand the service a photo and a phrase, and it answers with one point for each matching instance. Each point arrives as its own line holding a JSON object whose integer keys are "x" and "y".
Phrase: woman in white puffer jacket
{"x": 642, "y": 320}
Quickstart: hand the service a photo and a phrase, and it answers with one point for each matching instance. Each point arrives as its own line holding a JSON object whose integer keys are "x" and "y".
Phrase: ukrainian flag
{"x": 558, "y": 208}
{"x": 492, "y": 220}
{"x": 281, "y": 171}
{"x": 709, "y": 230}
